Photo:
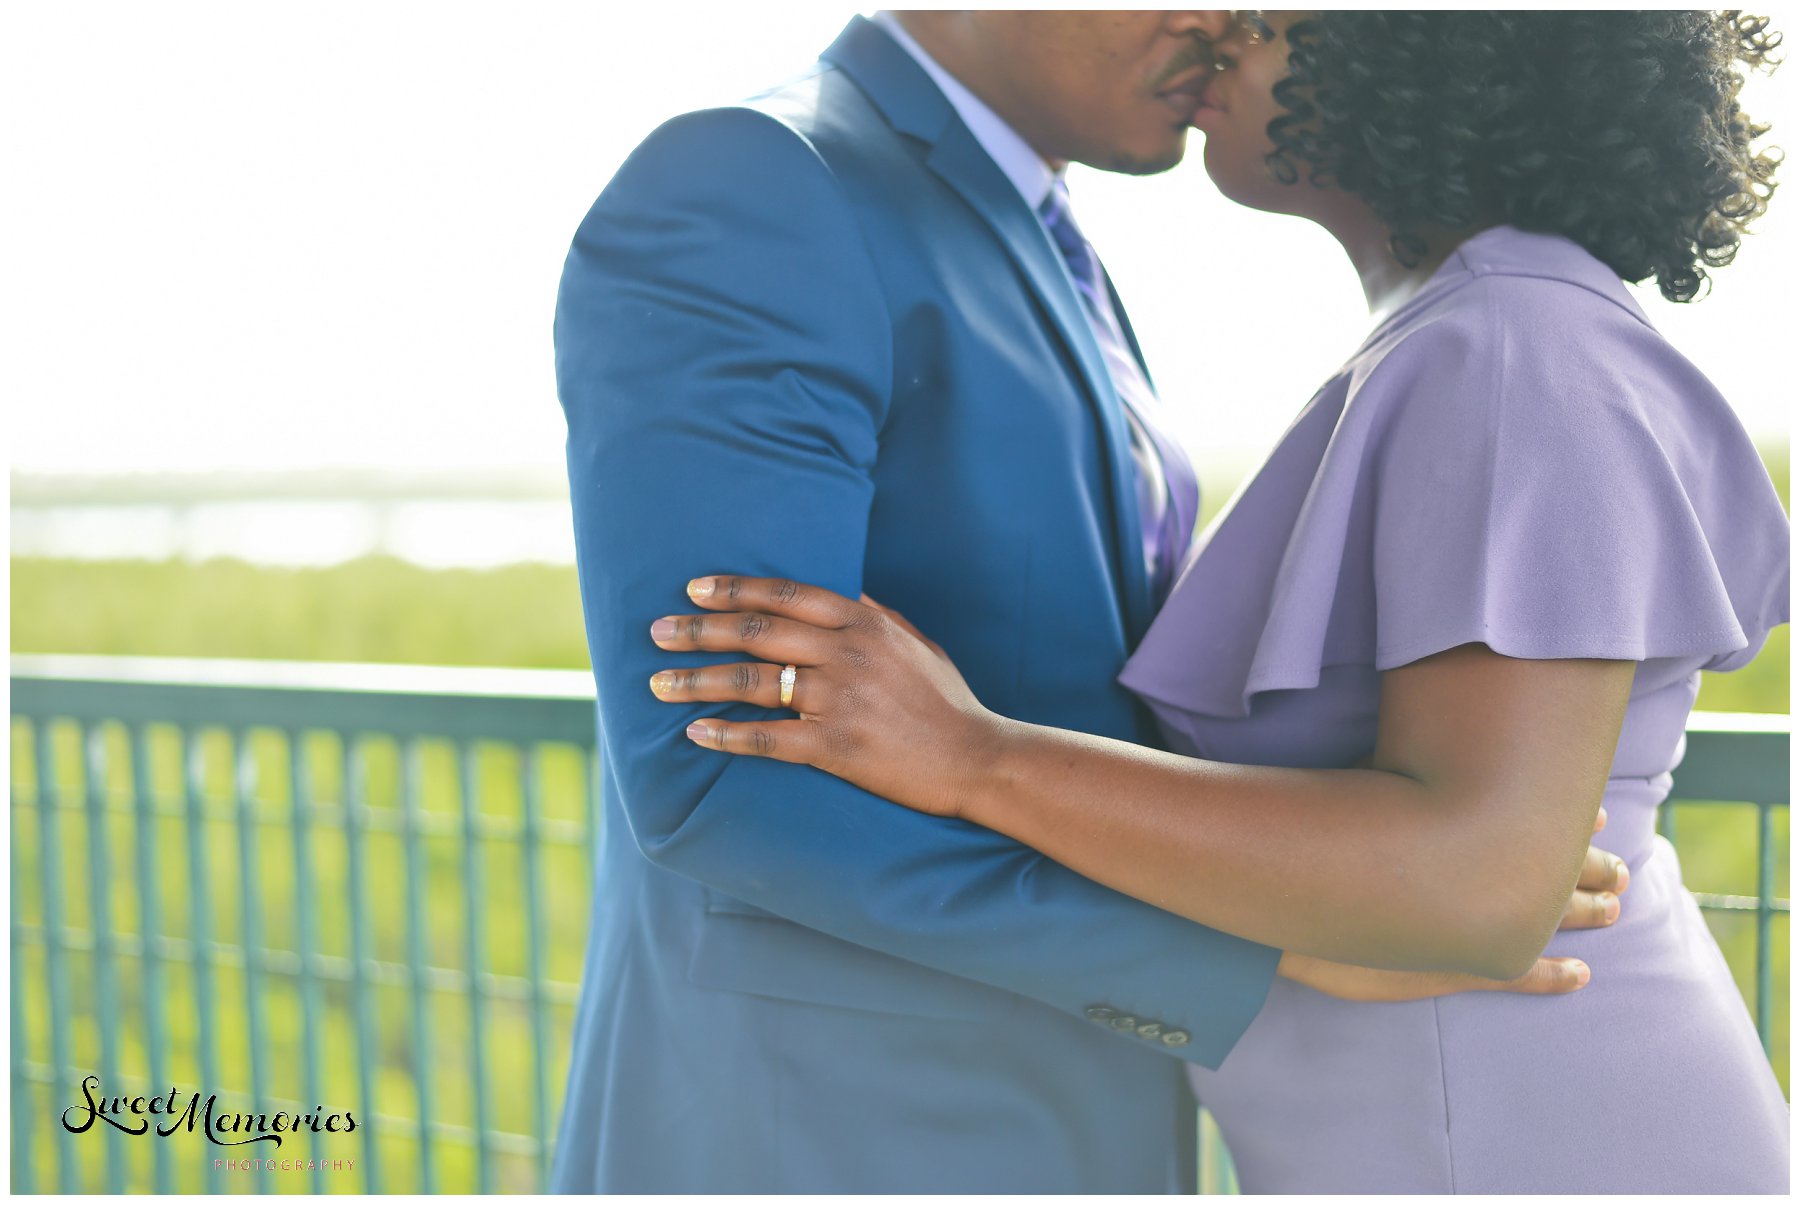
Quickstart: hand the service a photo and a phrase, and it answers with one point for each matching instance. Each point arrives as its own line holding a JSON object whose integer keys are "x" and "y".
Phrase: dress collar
{"x": 1509, "y": 251}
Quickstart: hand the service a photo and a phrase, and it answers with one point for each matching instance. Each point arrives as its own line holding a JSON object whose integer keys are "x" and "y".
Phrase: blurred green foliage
{"x": 373, "y": 609}
{"x": 383, "y": 609}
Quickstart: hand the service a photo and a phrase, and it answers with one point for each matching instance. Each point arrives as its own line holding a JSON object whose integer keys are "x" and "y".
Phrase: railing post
{"x": 356, "y": 785}
{"x": 301, "y": 819}
{"x": 150, "y": 926}
{"x": 193, "y": 765}
{"x": 106, "y": 991}
{"x": 1765, "y": 912}
{"x": 530, "y": 799}
{"x": 474, "y": 913}
{"x": 50, "y": 882}
{"x": 244, "y": 783}
{"x": 419, "y": 989}
{"x": 24, "y": 1169}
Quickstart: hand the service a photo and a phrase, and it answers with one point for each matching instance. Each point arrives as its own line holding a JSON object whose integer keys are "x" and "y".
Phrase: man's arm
{"x": 724, "y": 361}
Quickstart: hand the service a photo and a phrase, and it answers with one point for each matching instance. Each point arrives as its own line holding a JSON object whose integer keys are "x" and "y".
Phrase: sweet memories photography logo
{"x": 140, "y": 1115}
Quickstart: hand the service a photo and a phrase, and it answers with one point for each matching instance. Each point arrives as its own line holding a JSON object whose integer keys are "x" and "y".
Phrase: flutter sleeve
{"x": 1552, "y": 479}
{"x": 1526, "y": 464}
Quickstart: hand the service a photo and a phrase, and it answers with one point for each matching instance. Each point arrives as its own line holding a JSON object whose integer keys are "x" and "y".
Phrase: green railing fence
{"x": 356, "y": 887}
{"x": 330, "y": 889}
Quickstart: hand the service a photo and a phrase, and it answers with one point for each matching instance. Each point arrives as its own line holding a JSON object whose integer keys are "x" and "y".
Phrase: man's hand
{"x": 1595, "y": 902}
{"x": 1549, "y": 977}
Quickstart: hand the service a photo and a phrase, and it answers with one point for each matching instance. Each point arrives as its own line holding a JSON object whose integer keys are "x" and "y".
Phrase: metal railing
{"x": 333, "y": 889}
{"x": 321, "y": 840}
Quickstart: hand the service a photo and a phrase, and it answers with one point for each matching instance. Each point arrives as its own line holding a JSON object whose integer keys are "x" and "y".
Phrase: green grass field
{"x": 382, "y": 610}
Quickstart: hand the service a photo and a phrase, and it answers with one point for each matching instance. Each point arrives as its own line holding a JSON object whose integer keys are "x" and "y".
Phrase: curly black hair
{"x": 1618, "y": 129}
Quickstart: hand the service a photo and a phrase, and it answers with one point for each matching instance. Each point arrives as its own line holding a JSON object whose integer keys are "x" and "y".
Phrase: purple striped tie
{"x": 1167, "y": 489}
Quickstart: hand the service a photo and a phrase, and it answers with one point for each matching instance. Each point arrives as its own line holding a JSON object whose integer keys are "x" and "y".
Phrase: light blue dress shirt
{"x": 1014, "y": 156}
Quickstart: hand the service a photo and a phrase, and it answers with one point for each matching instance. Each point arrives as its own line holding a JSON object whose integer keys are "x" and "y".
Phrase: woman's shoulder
{"x": 1530, "y": 333}
{"x": 1517, "y": 459}
{"x": 1530, "y": 430}
{"x": 1534, "y": 296}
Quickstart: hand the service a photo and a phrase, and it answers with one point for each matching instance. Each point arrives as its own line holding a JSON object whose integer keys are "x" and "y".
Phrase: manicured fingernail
{"x": 699, "y": 732}
{"x": 1621, "y": 876}
{"x": 662, "y": 629}
{"x": 700, "y": 588}
{"x": 1611, "y": 907}
{"x": 1582, "y": 974}
{"x": 662, "y": 682}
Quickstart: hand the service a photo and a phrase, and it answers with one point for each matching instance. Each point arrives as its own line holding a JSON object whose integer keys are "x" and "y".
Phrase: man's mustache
{"x": 1197, "y": 53}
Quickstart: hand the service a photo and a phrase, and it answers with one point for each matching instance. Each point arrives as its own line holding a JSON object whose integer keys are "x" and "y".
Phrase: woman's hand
{"x": 880, "y": 705}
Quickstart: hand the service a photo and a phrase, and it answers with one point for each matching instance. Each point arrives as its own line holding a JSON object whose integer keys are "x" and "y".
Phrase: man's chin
{"x": 1127, "y": 165}
{"x": 1137, "y": 163}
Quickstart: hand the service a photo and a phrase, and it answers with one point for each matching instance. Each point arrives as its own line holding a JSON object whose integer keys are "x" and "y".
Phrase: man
{"x": 849, "y": 333}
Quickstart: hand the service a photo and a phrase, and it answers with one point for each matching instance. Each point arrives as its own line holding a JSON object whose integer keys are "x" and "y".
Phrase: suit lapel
{"x": 915, "y": 106}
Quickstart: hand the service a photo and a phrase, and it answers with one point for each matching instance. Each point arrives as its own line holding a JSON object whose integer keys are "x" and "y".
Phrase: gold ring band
{"x": 788, "y": 674}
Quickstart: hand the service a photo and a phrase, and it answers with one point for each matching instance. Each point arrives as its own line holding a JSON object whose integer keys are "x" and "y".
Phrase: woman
{"x": 1465, "y": 601}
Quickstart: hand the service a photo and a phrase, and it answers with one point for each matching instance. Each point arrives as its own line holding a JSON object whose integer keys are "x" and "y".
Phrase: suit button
{"x": 1100, "y": 1012}
{"x": 1149, "y": 1029}
{"x": 1175, "y": 1037}
{"x": 1125, "y": 1022}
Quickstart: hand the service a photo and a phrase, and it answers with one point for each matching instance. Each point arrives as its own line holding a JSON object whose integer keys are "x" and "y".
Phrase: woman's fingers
{"x": 1590, "y": 910}
{"x": 1600, "y": 820}
{"x": 745, "y": 682}
{"x": 782, "y": 740}
{"x": 813, "y": 605}
{"x": 770, "y": 637}
{"x": 1601, "y": 871}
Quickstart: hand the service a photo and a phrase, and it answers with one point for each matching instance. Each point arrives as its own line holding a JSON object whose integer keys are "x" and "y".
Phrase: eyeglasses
{"x": 1243, "y": 27}
{"x": 1249, "y": 25}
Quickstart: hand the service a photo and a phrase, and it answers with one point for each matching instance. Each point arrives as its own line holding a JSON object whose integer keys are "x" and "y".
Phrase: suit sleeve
{"x": 724, "y": 358}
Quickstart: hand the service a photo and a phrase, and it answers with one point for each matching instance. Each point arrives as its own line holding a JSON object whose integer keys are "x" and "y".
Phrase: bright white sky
{"x": 266, "y": 236}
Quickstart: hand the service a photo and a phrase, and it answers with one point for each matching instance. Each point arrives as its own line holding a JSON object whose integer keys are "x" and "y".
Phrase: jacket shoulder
{"x": 820, "y": 110}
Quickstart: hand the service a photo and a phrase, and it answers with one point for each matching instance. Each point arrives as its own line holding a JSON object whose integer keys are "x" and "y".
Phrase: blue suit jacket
{"x": 820, "y": 336}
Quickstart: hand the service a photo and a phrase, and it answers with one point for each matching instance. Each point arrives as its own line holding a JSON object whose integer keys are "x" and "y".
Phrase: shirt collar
{"x": 1011, "y": 153}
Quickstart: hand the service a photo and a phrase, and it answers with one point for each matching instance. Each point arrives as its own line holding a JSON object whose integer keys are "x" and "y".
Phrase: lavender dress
{"x": 1515, "y": 457}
